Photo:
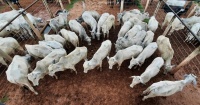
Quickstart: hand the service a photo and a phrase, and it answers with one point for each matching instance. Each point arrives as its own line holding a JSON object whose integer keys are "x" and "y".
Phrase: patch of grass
{"x": 146, "y": 21}
{"x": 69, "y": 6}
{"x": 4, "y": 99}
{"x": 139, "y": 5}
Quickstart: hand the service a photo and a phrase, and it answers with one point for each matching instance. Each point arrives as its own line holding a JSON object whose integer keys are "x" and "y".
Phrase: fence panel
{"x": 181, "y": 48}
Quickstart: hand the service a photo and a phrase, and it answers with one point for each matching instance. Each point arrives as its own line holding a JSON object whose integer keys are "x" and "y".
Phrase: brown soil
{"x": 97, "y": 88}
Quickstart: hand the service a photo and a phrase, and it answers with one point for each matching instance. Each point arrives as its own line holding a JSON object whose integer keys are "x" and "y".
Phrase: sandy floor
{"x": 108, "y": 87}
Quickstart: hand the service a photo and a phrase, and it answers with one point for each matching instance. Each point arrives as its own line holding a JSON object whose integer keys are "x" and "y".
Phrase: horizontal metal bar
{"x": 182, "y": 21}
{"x": 18, "y": 15}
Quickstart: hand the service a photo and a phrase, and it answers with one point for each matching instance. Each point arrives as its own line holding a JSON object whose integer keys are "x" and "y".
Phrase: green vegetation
{"x": 4, "y": 99}
{"x": 69, "y": 6}
{"x": 139, "y": 5}
{"x": 146, "y": 21}
{"x": 197, "y": 2}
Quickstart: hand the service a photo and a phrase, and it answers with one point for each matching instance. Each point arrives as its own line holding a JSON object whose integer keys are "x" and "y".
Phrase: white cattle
{"x": 167, "y": 88}
{"x": 146, "y": 53}
{"x": 150, "y": 72}
{"x": 9, "y": 45}
{"x": 88, "y": 19}
{"x": 41, "y": 68}
{"x": 125, "y": 28}
{"x": 195, "y": 29}
{"x": 153, "y": 24}
{"x": 136, "y": 21}
{"x": 69, "y": 61}
{"x": 98, "y": 57}
{"x": 176, "y": 3}
{"x": 107, "y": 25}
{"x": 166, "y": 52}
{"x": 18, "y": 70}
{"x": 78, "y": 28}
{"x": 70, "y": 37}
{"x": 133, "y": 31}
{"x": 127, "y": 15}
{"x": 55, "y": 37}
{"x": 148, "y": 38}
{"x": 94, "y": 14}
{"x": 102, "y": 19}
{"x": 124, "y": 54}
{"x": 59, "y": 22}
{"x": 176, "y": 24}
{"x": 36, "y": 51}
{"x": 52, "y": 44}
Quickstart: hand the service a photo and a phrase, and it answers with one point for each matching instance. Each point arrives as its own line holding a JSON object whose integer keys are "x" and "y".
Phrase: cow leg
{"x": 73, "y": 68}
{"x": 100, "y": 66}
{"x": 150, "y": 95}
{"x": 163, "y": 24}
{"x": 25, "y": 81}
{"x": 119, "y": 65}
{"x": 107, "y": 34}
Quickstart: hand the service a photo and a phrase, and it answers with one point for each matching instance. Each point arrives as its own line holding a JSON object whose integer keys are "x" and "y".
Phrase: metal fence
{"x": 38, "y": 9}
{"x": 183, "y": 51}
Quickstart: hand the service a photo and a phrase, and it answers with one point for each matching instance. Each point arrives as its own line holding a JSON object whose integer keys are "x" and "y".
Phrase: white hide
{"x": 78, "y": 28}
{"x": 69, "y": 61}
{"x": 124, "y": 54}
{"x": 146, "y": 53}
{"x": 41, "y": 68}
{"x": 98, "y": 57}
{"x": 55, "y": 37}
{"x": 17, "y": 72}
{"x": 107, "y": 25}
{"x": 151, "y": 71}
{"x": 70, "y": 37}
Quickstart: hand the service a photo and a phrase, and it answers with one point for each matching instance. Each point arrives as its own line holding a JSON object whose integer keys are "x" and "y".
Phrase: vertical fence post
{"x": 192, "y": 11}
{"x": 157, "y": 8}
{"x": 6, "y": 56}
{"x": 146, "y": 5}
{"x": 61, "y": 4}
{"x": 122, "y": 6}
{"x": 47, "y": 7}
{"x": 187, "y": 60}
{"x": 169, "y": 26}
{"x": 35, "y": 30}
{"x": 10, "y": 5}
{"x": 69, "y": 1}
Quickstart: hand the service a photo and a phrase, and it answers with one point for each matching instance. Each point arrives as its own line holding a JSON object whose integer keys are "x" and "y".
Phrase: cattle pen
{"x": 109, "y": 86}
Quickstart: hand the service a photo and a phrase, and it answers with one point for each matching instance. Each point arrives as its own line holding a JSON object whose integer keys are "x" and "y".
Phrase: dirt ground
{"x": 109, "y": 87}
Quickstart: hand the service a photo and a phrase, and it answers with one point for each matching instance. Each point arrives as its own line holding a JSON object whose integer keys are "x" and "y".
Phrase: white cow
{"x": 40, "y": 51}
{"x": 150, "y": 72}
{"x": 98, "y": 57}
{"x": 125, "y": 28}
{"x": 18, "y": 70}
{"x": 153, "y": 24}
{"x": 78, "y": 28}
{"x": 9, "y": 45}
{"x": 69, "y": 61}
{"x": 87, "y": 17}
{"x": 146, "y": 53}
{"x": 41, "y": 68}
{"x": 167, "y": 88}
{"x": 148, "y": 38}
{"x": 107, "y": 25}
{"x": 166, "y": 51}
{"x": 70, "y": 37}
{"x": 195, "y": 29}
{"x": 124, "y": 54}
{"x": 52, "y": 44}
{"x": 55, "y": 37}
{"x": 102, "y": 19}
{"x": 136, "y": 21}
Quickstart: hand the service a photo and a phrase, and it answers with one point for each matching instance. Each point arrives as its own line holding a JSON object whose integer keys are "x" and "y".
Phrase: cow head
{"x": 34, "y": 78}
{"x": 111, "y": 61}
{"x": 88, "y": 40}
{"x": 53, "y": 68}
{"x": 133, "y": 62}
{"x": 168, "y": 68}
{"x": 86, "y": 66}
{"x": 136, "y": 80}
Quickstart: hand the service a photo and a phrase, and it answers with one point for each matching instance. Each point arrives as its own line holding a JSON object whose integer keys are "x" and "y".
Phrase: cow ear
{"x": 185, "y": 76}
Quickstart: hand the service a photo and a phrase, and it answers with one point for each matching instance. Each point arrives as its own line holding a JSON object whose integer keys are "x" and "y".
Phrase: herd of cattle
{"x": 135, "y": 42}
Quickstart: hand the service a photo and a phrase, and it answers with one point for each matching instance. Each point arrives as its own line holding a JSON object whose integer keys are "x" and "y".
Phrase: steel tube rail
{"x": 18, "y": 15}
{"x": 182, "y": 21}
